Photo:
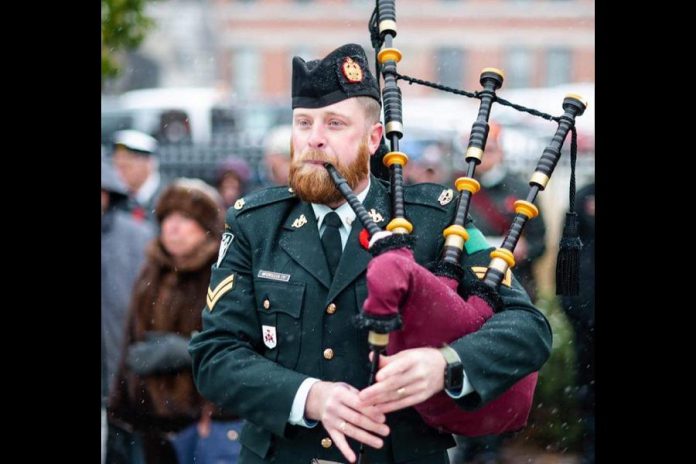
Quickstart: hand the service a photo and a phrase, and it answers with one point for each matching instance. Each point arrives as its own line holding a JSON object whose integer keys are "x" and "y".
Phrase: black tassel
{"x": 568, "y": 261}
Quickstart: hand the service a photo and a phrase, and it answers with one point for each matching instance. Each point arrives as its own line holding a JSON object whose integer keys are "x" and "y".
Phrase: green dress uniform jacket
{"x": 273, "y": 281}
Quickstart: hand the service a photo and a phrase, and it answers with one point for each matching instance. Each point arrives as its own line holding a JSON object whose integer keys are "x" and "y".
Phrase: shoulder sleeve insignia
{"x": 299, "y": 222}
{"x": 352, "y": 70}
{"x": 446, "y": 196}
{"x": 480, "y": 272}
{"x": 223, "y": 287}
{"x": 227, "y": 238}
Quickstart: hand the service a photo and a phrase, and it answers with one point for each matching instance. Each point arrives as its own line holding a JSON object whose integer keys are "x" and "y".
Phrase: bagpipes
{"x": 418, "y": 307}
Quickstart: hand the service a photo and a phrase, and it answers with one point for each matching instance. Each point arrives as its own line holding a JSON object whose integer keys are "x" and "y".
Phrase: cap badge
{"x": 352, "y": 70}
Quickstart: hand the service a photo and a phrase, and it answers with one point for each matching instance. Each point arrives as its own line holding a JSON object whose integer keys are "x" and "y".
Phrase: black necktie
{"x": 331, "y": 241}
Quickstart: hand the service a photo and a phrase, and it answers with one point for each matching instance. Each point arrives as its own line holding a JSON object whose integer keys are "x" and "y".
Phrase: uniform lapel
{"x": 355, "y": 258}
{"x": 301, "y": 241}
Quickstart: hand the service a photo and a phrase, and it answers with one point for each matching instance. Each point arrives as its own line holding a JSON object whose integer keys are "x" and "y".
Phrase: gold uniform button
{"x": 328, "y": 353}
{"x": 331, "y": 308}
{"x": 326, "y": 442}
{"x": 266, "y": 303}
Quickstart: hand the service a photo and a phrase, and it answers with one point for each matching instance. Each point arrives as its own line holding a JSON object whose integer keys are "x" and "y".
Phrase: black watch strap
{"x": 454, "y": 370}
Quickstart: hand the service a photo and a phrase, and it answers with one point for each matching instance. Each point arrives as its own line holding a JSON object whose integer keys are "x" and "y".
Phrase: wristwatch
{"x": 454, "y": 370}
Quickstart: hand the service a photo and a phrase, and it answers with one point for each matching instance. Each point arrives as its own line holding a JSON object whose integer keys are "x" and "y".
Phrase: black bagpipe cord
{"x": 568, "y": 261}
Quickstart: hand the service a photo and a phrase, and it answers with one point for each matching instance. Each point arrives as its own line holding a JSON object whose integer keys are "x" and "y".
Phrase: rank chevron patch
{"x": 214, "y": 295}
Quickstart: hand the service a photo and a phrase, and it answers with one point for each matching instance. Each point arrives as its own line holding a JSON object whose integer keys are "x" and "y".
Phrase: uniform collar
{"x": 345, "y": 212}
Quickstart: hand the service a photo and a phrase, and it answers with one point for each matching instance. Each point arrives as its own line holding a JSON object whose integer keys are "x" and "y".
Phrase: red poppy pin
{"x": 364, "y": 239}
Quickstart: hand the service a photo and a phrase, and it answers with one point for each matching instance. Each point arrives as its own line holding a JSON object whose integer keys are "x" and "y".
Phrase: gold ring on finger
{"x": 342, "y": 426}
{"x": 401, "y": 391}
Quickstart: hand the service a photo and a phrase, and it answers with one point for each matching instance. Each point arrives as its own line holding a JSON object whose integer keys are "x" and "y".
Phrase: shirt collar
{"x": 345, "y": 212}
{"x": 147, "y": 190}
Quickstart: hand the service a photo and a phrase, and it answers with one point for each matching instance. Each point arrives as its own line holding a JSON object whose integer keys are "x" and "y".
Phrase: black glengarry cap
{"x": 342, "y": 74}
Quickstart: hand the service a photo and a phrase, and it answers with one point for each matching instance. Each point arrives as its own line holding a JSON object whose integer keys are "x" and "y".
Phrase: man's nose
{"x": 317, "y": 139}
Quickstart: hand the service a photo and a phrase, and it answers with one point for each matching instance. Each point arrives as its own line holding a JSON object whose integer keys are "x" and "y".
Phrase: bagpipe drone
{"x": 393, "y": 311}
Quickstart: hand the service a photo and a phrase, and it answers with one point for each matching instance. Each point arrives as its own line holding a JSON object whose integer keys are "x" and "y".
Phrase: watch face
{"x": 454, "y": 377}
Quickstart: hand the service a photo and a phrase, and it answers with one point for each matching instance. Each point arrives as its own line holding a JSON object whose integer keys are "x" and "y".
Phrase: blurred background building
{"x": 246, "y": 45}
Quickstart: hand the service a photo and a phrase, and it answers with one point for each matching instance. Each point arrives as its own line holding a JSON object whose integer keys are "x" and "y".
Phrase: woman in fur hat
{"x": 154, "y": 391}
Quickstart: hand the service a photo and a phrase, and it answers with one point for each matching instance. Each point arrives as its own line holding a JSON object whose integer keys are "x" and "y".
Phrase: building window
{"x": 518, "y": 68}
{"x": 559, "y": 65}
{"x": 247, "y": 73}
{"x": 449, "y": 65}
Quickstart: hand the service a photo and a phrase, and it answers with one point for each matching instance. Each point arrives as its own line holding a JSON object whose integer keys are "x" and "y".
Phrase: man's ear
{"x": 375, "y": 137}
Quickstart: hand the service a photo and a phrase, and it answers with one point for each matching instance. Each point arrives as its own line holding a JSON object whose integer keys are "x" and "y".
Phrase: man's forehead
{"x": 345, "y": 108}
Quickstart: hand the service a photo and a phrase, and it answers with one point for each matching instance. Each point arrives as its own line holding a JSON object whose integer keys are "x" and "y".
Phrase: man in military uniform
{"x": 279, "y": 346}
{"x": 135, "y": 160}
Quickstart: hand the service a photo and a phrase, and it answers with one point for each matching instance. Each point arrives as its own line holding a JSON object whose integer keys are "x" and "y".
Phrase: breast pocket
{"x": 279, "y": 307}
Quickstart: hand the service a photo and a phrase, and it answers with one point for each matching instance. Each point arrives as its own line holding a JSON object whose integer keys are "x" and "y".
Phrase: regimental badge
{"x": 269, "y": 336}
{"x": 446, "y": 196}
{"x": 299, "y": 222}
{"x": 352, "y": 70}
{"x": 376, "y": 216}
{"x": 227, "y": 238}
{"x": 239, "y": 204}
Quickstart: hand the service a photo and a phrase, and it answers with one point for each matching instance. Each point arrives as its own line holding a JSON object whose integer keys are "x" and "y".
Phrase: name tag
{"x": 274, "y": 276}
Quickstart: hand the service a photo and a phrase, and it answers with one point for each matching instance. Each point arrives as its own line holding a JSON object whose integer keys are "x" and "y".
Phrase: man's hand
{"x": 343, "y": 415}
{"x": 405, "y": 379}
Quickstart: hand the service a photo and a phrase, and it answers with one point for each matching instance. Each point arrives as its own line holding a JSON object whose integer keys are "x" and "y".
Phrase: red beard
{"x": 315, "y": 185}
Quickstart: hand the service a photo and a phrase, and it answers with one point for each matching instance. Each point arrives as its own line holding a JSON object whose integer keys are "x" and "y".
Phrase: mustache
{"x": 316, "y": 155}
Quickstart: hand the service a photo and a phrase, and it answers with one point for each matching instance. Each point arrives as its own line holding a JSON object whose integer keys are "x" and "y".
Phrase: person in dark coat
{"x": 232, "y": 179}
{"x": 279, "y": 346}
{"x": 154, "y": 393}
{"x": 123, "y": 242}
